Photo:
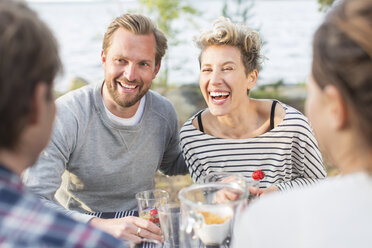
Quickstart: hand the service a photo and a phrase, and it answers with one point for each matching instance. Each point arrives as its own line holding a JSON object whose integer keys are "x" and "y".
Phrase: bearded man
{"x": 109, "y": 139}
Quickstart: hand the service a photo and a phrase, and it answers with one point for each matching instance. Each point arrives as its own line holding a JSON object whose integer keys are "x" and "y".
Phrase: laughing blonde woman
{"x": 239, "y": 134}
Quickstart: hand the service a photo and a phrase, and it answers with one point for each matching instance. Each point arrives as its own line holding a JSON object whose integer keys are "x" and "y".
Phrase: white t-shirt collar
{"x": 134, "y": 120}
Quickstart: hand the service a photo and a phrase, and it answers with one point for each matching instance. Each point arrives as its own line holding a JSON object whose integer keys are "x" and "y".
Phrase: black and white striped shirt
{"x": 288, "y": 154}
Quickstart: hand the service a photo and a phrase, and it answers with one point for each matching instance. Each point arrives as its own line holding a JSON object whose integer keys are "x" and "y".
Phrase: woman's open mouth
{"x": 219, "y": 97}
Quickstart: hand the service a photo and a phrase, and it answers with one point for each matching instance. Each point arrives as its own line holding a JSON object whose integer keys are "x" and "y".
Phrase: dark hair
{"x": 137, "y": 24}
{"x": 343, "y": 57}
{"x": 28, "y": 56}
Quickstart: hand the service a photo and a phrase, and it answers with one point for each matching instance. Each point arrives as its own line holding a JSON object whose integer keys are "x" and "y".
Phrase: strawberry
{"x": 258, "y": 175}
{"x": 153, "y": 212}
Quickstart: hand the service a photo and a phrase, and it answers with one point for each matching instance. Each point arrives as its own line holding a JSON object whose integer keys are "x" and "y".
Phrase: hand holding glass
{"x": 149, "y": 202}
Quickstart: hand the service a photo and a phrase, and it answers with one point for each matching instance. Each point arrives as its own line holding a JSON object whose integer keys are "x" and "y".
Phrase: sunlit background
{"x": 286, "y": 27}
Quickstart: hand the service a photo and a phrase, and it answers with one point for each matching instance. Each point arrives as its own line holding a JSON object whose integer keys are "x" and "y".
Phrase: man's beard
{"x": 125, "y": 103}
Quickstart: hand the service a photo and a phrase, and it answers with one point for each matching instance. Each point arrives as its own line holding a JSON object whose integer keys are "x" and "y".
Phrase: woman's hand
{"x": 226, "y": 195}
{"x": 269, "y": 190}
{"x": 229, "y": 194}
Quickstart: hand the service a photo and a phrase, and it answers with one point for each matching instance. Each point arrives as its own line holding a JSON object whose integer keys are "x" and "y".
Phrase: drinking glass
{"x": 251, "y": 186}
{"x": 170, "y": 216}
{"x": 149, "y": 202}
{"x": 206, "y": 218}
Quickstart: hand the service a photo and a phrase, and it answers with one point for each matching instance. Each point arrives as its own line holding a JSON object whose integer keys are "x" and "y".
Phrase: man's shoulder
{"x": 77, "y": 102}
{"x": 160, "y": 103}
{"x": 26, "y": 213}
{"x": 74, "y": 233}
{"x": 157, "y": 98}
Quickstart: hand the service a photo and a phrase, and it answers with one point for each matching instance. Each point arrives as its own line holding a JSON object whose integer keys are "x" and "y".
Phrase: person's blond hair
{"x": 238, "y": 35}
{"x": 137, "y": 24}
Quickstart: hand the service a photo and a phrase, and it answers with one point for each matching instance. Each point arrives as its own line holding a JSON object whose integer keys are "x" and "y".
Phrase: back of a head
{"x": 28, "y": 56}
{"x": 239, "y": 35}
{"x": 343, "y": 57}
{"x": 140, "y": 25}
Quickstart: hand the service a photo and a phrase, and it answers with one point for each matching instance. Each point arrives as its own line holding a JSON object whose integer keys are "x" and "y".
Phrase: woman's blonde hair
{"x": 238, "y": 35}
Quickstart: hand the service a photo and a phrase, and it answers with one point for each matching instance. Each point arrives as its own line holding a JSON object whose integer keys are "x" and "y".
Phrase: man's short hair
{"x": 137, "y": 24}
{"x": 28, "y": 56}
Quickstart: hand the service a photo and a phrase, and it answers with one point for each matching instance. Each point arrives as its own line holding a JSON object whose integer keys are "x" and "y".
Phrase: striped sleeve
{"x": 309, "y": 163}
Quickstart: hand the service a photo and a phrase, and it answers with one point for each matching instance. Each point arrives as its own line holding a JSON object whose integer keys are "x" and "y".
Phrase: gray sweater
{"x": 104, "y": 164}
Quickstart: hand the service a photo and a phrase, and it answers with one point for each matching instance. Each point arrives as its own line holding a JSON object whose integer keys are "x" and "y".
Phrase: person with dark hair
{"x": 109, "y": 139}
{"x": 240, "y": 134}
{"x": 29, "y": 62}
{"x": 335, "y": 212}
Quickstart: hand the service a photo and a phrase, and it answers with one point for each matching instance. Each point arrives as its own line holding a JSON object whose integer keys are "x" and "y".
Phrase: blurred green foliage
{"x": 325, "y": 4}
{"x": 279, "y": 91}
{"x": 241, "y": 11}
{"x": 164, "y": 13}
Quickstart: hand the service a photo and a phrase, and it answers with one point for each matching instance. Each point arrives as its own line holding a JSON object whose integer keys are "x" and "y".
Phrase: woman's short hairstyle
{"x": 343, "y": 57}
{"x": 137, "y": 24}
{"x": 238, "y": 35}
{"x": 28, "y": 56}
